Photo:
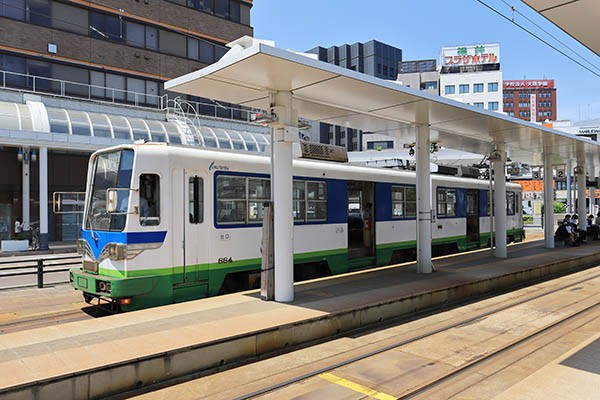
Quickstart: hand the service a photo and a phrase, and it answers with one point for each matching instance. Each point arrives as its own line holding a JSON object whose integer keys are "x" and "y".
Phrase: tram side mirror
{"x": 68, "y": 202}
{"x": 112, "y": 201}
{"x": 117, "y": 200}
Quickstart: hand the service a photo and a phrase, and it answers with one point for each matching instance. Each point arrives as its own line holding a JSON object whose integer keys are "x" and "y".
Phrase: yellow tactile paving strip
{"x": 53, "y": 351}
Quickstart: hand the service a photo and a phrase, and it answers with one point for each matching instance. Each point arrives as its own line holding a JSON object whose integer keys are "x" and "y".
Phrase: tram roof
{"x": 331, "y": 94}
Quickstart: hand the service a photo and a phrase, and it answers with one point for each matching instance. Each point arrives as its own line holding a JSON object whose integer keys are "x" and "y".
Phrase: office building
{"x": 78, "y": 76}
{"x": 372, "y": 58}
{"x": 472, "y": 74}
{"x": 525, "y": 99}
{"x": 420, "y": 74}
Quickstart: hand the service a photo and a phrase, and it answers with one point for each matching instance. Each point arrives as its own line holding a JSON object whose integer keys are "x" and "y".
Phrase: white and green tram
{"x": 165, "y": 224}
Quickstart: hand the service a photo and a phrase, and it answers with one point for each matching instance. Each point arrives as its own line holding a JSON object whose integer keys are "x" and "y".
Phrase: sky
{"x": 420, "y": 28}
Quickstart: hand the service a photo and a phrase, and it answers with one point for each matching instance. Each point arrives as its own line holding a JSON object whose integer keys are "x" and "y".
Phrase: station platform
{"x": 93, "y": 358}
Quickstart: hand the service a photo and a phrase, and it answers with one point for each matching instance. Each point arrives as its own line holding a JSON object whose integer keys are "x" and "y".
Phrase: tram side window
{"x": 404, "y": 202}
{"x": 259, "y": 191}
{"x": 196, "y": 200}
{"x": 149, "y": 208}
{"x": 446, "y": 202}
{"x": 510, "y": 203}
{"x": 299, "y": 207}
{"x": 316, "y": 203}
{"x": 231, "y": 199}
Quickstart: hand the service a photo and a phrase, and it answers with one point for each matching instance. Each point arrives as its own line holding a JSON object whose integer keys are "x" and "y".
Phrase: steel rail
{"x": 419, "y": 337}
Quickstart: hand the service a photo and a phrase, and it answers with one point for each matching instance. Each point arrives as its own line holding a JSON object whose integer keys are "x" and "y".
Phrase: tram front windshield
{"x": 110, "y": 170}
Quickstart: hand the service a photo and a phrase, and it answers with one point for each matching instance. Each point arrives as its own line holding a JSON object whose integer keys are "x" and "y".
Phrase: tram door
{"x": 472, "y": 216}
{"x": 361, "y": 219}
{"x": 192, "y": 282}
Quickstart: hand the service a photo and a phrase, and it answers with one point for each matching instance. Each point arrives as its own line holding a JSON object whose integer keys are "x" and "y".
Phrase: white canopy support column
{"x": 548, "y": 202}
{"x": 43, "y": 160}
{"x": 499, "y": 166}
{"x": 569, "y": 184}
{"x": 580, "y": 172}
{"x": 281, "y": 185}
{"x": 424, "y": 265}
{"x": 25, "y": 189}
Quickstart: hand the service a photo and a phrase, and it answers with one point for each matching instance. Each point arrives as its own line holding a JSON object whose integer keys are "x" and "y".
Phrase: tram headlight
{"x": 117, "y": 251}
{"x": 81, "y": 246}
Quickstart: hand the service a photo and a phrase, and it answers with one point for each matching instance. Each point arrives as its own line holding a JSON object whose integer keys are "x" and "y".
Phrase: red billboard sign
{"x": 529, "y": 84}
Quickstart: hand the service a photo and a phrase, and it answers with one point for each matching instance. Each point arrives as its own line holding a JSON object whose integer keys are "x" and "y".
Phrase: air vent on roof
{"x": 320, "y": 151}
{"x": 469, "y": 172}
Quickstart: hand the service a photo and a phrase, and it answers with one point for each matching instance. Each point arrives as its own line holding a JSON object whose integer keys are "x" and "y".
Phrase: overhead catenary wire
{"x": 514, "y": 9}
{"x": 539, "y": 38}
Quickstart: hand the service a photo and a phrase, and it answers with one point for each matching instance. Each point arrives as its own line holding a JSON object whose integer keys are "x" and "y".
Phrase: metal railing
{"x": 38, "y": 267}
{"x": 113, "y": 96}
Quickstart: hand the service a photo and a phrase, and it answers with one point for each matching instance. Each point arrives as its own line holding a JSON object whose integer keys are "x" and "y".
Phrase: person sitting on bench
{"x": 592, "y": 229}
{"x": 565, "y": 232}
{"x": 579, "y": 234}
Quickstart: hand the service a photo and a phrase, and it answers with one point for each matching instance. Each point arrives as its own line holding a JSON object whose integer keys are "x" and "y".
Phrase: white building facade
{"x": 472, "y": 74}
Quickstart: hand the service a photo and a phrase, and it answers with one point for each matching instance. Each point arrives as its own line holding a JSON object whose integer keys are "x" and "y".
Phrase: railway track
{"x": 62, "y": 317}
{"x": 418, "y": 359}
{"x": 422, "y": 389}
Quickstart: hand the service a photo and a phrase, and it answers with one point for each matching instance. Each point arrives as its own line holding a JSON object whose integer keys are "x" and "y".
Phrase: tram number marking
{"x": 225, "y": 236}
{"x": 225, "y": 260}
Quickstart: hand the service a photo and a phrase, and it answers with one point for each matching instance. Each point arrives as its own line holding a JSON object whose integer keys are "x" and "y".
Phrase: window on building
{"x": 392, "y": 72}
{"x": 449, "y": 89}
{"x": 172, "y": 43}
{"x": 234, "y": 11}
{"x": 245, "y": 14}
{"x": 549, "y": 104}
{"x": 493, "y": 106}
{"x": 385, "y": 69}
{"x": 477, "y": 87}
{"x": 431, "y": 85}
{"x": 492, "y": 86}
{"x": 14, "y": 9}
{"x": 207, "y": 52}
{"x": 151, "y": 38}
{"x": 478, "y": 105}
{"x": 463, "y": 88}
{"x": 446, "y": 202}
{"x": 222, "y": 8}
{"x": 136, "y": 34}
{"x": 404, "y": 202}
{"x": 69, "y": 18}
{"x": 39, "y": 12}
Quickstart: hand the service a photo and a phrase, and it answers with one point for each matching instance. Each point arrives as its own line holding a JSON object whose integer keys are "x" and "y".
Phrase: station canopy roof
{"x": 577, "y": 18}
{"x": 331, "y": 94}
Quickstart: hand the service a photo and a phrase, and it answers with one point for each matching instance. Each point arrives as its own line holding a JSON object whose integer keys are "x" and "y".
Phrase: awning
{"x": 327, "y": 93}
{"x": 578, "y": 19}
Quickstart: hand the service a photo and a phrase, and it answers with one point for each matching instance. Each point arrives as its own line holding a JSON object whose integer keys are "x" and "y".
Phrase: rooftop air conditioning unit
{"x": 320, "y": 151}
